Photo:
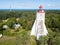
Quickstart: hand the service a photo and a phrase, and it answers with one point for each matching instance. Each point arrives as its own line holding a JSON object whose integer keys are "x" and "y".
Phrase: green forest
{"x": 26, "y": 18}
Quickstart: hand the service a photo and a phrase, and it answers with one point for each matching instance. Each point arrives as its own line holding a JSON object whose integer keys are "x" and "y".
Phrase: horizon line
{"x": 29, "y": 9}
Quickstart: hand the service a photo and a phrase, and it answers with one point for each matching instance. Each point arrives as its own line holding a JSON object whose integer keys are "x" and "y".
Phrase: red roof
{"x": 40, "y": 7}
{"x": 40, "y": 10}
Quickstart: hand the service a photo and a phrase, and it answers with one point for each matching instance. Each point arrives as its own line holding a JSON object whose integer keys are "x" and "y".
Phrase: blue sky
{"x": 29, "y": 4}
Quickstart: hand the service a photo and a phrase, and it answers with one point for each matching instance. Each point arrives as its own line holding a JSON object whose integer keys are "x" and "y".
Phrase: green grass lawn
{"x": 22, "y": 38}
{"x": 6, "y": 40}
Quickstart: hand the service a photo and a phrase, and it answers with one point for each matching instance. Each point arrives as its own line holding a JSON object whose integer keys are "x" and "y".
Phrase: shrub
{"x": 22, "y": 37}
{"x": 33, "y": 40}
{"x": 57, "y": 40}
{"x": 9, "y": 33}
{"x": 43, "y": 40}
{"x": 51, "y": 35}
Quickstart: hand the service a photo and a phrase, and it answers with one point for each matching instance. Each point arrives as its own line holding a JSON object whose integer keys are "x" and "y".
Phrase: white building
{"x": 39, "y": 28}
{"x": 0, "y": 35}
{"x": 17, "y": 26}
{"x": 5, "y": 26}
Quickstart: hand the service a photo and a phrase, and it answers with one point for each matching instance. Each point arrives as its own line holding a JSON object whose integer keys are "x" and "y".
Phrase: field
{"x": 21, "y": 35}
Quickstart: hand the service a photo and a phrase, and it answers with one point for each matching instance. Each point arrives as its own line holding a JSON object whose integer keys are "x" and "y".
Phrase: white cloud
{"x": 49, "y": 5}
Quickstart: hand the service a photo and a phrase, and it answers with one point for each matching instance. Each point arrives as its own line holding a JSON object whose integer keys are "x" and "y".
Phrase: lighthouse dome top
{"x": 40, "y": 9}
{"x": 40, "y": 6}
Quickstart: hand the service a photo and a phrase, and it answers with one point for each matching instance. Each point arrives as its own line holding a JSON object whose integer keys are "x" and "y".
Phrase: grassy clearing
{"x": 6, "y": 40}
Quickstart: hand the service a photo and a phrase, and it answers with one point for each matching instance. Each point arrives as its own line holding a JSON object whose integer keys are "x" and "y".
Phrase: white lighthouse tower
{"x": 39, "y": 28}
